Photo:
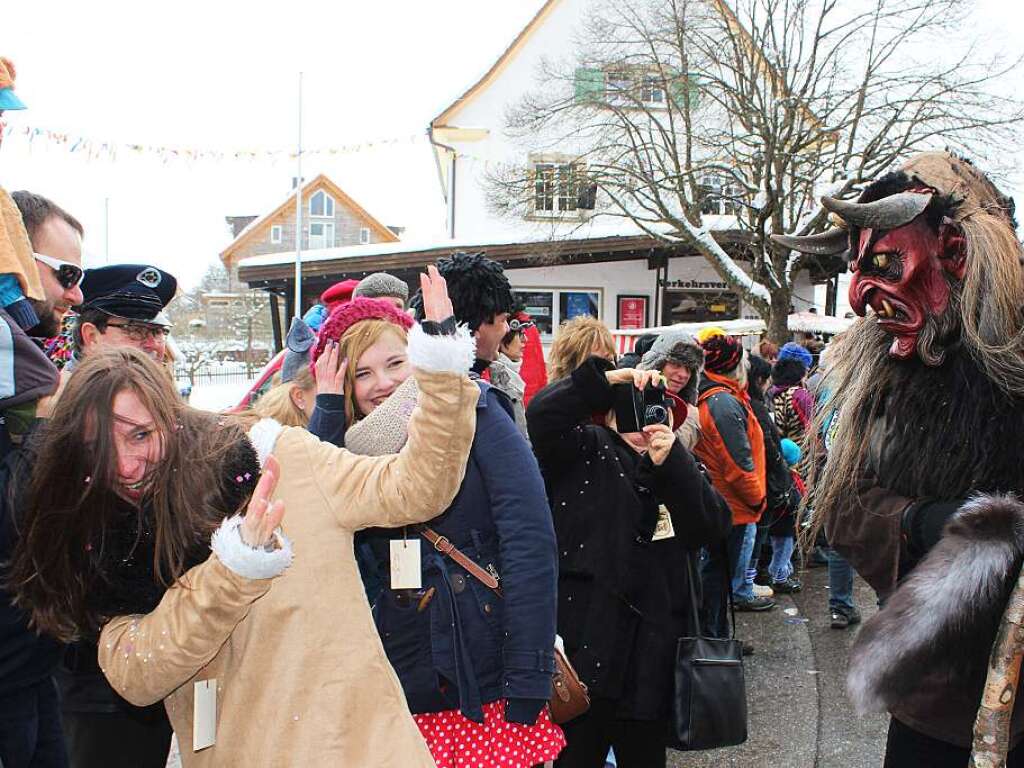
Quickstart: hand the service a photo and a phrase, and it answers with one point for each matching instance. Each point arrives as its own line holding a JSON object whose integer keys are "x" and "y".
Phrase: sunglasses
{"x": 68, "y": 275}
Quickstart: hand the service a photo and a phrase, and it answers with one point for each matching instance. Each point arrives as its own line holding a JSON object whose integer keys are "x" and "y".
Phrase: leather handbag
{"x": 709, "y": 706}
{"x": 569, "y": 697}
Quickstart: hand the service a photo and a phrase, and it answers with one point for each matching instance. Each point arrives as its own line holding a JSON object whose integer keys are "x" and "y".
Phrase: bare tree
{"x": 690, "y": 117}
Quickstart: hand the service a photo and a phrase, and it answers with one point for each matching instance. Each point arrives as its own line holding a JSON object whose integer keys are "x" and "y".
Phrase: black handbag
{"x": 709, "y": 704}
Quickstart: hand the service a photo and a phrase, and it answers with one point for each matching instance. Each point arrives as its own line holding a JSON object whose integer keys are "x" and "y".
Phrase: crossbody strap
{"x": 444, "y": 545}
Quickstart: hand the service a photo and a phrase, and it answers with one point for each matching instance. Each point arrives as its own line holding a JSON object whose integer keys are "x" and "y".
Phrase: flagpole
{"x": 298, "y": 213}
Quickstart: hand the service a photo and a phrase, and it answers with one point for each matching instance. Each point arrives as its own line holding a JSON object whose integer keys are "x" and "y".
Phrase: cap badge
{"x": 150, "y": 278}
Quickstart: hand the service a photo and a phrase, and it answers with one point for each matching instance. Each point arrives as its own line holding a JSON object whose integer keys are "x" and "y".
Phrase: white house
{"x": 562, "y": 257}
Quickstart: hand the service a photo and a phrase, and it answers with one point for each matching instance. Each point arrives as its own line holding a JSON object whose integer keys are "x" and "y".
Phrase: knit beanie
{"x": 790, "y": 451}
{"x": 721, "y": 353}
{"x": 352, "y": 312}
{"x": 706, "y": 333}
{"x": 795, "y": 351}
{"x": 381, "y": 285}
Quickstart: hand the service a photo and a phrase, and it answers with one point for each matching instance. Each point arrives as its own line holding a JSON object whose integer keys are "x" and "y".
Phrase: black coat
{"x": 623, "y": 599}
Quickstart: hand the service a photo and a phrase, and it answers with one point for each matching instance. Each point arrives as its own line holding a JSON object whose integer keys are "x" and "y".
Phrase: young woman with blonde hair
{"x": 578, "y": 339}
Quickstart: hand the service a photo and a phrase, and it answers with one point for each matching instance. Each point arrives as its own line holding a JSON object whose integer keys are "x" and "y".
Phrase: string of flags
{"x": 94, "y": 149}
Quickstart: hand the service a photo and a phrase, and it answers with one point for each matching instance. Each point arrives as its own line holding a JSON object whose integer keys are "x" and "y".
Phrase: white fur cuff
{"x": 245, "y": 561}
{"x": 442, "y": 354}
{"x": 263, "y": 436}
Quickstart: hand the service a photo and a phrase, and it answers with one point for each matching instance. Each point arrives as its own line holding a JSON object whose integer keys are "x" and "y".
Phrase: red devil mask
{"x": 902, "y": 274}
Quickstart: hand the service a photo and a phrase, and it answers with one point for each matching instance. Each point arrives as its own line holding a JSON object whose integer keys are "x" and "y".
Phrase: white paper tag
{"x": 664, "y": 529}
{"x": 405, "y": 564}
{"x": 204, "y": 715}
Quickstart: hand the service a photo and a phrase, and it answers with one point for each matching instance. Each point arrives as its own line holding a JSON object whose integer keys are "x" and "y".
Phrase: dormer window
{"x": 321, "y": 205}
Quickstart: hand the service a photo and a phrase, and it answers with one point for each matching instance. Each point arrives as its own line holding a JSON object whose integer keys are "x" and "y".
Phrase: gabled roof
{"x": 492, "y": 74}
{"x": 260, "y": 228}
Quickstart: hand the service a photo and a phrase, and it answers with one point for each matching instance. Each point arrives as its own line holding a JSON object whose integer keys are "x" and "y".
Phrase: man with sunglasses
{"x": 123, "y": 305}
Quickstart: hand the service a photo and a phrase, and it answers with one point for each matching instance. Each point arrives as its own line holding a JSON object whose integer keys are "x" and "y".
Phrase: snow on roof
{"x": 593, "y": 230}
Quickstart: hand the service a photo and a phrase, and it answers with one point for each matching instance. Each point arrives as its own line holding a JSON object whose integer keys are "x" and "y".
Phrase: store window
{"x": 549, "y": 308}
{"x": 699, "y": 306}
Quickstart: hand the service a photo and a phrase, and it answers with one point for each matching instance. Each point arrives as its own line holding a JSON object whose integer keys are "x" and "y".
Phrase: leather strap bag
{"x": 569, "y": 697}
{"x": 709, "y": 706}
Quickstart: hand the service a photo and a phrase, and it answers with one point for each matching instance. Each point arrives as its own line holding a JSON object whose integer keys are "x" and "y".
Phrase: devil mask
{"x": 906, "y": 250}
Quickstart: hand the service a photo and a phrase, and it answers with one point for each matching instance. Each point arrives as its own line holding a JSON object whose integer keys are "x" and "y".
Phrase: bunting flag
{"x": 93, "y": 149}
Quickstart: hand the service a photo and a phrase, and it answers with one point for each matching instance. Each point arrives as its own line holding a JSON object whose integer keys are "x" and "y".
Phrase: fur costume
{"x": 926, "y": 403}
{"x": 953, "y": 599}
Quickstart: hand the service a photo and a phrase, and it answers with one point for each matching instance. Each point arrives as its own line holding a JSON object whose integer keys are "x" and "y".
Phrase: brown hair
{"x": 576, "y": 341}
{"x": 351, "y": 346}
{"x": 277, "y": 403}
{"x": 70, "y": 506}
{"x": 36, "y": 209}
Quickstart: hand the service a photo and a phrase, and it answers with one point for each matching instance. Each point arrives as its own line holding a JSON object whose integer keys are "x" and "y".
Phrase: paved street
{"x": 798, "y": 714}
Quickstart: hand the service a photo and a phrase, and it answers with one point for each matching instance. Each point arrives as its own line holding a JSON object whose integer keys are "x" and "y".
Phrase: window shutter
{"x": 589, "y": 85}
{"x": 679, "y": 87}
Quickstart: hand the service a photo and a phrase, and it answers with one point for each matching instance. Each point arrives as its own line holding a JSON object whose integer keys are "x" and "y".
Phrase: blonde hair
{"x": 577, "y": 340}
{"x": 351, "y": 346}
{"x": 277, "y": 402}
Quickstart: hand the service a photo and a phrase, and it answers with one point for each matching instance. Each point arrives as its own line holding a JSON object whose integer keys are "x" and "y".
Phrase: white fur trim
{"x": 442, "y": 354}
{"x": 263, "y": 435}
{"x": 247, "y": 562}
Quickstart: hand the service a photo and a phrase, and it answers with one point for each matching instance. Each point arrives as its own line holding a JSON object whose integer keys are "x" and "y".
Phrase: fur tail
{"x": 946, "y": 613}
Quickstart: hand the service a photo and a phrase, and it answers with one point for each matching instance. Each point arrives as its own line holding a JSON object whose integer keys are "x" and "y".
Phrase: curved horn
{"x": 828, "y": 243}
{"x": 888, "y": 213}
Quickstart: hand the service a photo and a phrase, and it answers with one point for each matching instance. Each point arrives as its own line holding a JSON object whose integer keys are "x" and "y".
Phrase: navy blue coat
{"x": 470, "y": 647}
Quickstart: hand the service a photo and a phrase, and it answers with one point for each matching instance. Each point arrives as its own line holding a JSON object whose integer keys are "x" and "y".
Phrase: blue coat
{"x": 469, "y": 647}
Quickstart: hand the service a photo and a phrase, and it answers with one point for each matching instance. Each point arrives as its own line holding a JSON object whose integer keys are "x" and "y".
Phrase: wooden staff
{"x": 992, "y": 726}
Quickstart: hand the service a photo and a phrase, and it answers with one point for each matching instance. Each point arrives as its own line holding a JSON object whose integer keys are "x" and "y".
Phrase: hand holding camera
{"x": 640, "y": 399}
{"x": 662, "y": 438}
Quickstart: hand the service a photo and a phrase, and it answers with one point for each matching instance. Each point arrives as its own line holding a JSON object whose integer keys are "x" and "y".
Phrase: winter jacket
{"x": 300, "y": 673}
{"x": 26, "y": 657}
{"x": 732, "y": 446}
{"x": 479, "y": 647}
{"x": 623, "y": 598}
{"x": 793, "y": 408}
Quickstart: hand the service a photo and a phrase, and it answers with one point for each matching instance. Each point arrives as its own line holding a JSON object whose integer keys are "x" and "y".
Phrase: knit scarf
{"x": 385, "y": 429}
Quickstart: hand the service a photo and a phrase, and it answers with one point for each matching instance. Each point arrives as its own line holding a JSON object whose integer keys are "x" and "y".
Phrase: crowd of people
{"x": 382, "y": 561}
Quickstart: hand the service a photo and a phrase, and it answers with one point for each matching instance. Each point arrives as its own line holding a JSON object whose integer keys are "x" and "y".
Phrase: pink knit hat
{"x": 352, "y": 312}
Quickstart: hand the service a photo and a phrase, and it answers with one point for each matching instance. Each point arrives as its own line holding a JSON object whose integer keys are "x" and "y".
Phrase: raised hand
{"x": 436, "y": 304}
{"x": 330, "y": 374}
{"x": 262, "y": 516}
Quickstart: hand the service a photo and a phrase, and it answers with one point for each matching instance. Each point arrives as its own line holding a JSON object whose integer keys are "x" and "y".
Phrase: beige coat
{"x": 302, "y": 679}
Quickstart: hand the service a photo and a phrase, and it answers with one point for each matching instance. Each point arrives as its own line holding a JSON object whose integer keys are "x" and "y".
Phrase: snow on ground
{"x": 217, "y": 397}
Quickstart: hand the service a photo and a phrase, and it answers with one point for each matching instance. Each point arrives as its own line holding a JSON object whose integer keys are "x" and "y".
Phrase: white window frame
{"x": 325, "y": 239}
{"x": 724, "y": 189}
{"x": 328, "y": 205}
{"x": 556, "y": 302}
{"x": 651, "y": 86}
{"x": 276, "y": 233}
{"x": 564, "y": 172}
{"x": 364, "y": 235}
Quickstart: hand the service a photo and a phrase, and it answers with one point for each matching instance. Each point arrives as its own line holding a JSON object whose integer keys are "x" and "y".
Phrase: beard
{"x": 49, "y": 324}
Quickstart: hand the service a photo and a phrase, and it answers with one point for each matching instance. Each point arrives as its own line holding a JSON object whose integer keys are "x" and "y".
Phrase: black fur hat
{"x": 477, "y": 287}
{"x": 788, "y": 372}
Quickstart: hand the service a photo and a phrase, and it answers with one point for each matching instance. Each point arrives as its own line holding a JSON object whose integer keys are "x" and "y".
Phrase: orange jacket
{"x": 732, "y": 446}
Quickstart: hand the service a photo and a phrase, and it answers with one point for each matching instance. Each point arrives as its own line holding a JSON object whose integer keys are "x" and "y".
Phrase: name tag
{"x": 405, "y": 564}
{"x": 664, "y": 529}
{"x": 204, "y": 715}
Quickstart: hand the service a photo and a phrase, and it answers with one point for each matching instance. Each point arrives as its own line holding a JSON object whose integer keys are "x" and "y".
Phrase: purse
{"x": 569, "y": 697}
{"x": 709, "y": 704}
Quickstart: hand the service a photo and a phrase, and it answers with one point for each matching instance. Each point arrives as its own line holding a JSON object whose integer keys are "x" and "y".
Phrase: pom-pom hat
{"x": 721, "y": 353}
{"x": 352, "y": 312}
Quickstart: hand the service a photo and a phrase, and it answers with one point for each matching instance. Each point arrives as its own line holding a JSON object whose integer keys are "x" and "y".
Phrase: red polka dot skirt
{"x": 457, "y": 742}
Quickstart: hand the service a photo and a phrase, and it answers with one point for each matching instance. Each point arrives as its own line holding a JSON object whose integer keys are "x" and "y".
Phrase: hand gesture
{"x": 330, "y": 374}
{"x": 436, "y": 304}
{"x": 640, "y": 379}
{"x": 262, "y": 516}
{"x": 662, "y": 438}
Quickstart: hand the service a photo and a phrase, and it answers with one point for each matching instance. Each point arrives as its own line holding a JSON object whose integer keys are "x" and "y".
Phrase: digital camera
{"x": 639, "y": 408}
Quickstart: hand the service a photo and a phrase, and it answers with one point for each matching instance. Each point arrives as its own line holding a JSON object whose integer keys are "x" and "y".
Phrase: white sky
{"x": 222, "y": 74}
